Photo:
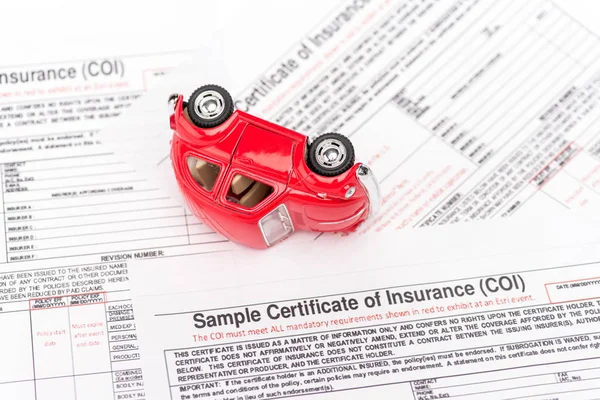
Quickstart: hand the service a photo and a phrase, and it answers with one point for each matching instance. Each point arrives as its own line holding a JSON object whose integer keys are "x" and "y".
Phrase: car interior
{"x": 203, "y": 172}
{"x": 247, "y": 192}
{"x": 243, "y": 190}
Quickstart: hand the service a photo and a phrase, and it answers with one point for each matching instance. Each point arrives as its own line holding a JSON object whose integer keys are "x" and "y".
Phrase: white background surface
{"x": 47, "y": 30}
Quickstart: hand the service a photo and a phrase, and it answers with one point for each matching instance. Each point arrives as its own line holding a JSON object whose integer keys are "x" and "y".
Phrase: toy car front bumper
{"x": 369, "y": 183}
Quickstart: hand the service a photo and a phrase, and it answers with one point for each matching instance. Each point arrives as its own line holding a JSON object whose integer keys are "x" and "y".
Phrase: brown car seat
{"x": 240, "y": 183}
{"x": 203, "y": 172}
{"x": 255, "y": 195}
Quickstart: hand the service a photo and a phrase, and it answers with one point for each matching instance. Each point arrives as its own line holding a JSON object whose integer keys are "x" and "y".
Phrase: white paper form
{"x": 465, "y": 110}
{"x": 352, "y": 319}
{"x": 71, "y": 212}
{"x": 67, "y": 206}
{"x": 63, "y": 195}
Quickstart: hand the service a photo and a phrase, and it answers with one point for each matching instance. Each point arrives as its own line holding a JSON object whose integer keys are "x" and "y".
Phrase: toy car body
{"x": 256, "y": 182}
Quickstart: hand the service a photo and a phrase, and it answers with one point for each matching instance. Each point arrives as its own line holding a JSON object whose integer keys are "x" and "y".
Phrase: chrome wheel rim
{"x": 209, "y": 104}
{"x": 331, "y": 153}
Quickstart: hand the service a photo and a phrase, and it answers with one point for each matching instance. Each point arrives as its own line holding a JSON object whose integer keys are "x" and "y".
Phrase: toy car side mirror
{"x": 173, "y": 100}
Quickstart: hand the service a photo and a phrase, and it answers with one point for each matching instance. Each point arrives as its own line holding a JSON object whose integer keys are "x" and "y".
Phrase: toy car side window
{"x": 247, "y": 192}
{"x": 203, "y": 172}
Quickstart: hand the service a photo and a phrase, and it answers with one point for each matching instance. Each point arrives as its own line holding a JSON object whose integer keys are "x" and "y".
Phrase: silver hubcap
{"x": 331, "y": 153}
{"x": 209, "y": 104}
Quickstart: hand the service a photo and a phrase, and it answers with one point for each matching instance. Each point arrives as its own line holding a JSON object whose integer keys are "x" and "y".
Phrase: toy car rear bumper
{"x": 342, "y": 224}
{"x": 369, "y": 183}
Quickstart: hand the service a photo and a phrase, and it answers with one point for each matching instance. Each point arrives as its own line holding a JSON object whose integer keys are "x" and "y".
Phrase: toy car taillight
{"x": 276, "y": 225}
{"x": 256, "y": 182}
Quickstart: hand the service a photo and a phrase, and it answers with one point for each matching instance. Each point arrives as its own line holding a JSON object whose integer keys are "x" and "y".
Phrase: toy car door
{"x": 259, "y": 171}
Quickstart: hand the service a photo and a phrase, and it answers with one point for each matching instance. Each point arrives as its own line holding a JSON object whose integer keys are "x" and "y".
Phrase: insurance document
{"x": 70, "y": 211}
{"x": 351, "y": 319}
{"x": 469, "y": 109}
{"x": 73, "y": 215}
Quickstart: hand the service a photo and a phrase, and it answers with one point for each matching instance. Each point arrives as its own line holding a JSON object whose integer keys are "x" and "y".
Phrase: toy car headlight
{"x": 350, "y": 192}
{"x": 371, "y": 186}
{"x": 276, "y": 225}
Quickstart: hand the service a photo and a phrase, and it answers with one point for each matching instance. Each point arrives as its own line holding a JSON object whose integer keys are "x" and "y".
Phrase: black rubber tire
{"x": 203, "y": 122}
{"x": 346, "y": 164}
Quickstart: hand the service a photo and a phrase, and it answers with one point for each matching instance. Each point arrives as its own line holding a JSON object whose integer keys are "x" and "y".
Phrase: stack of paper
{"x": 470, "y": 110}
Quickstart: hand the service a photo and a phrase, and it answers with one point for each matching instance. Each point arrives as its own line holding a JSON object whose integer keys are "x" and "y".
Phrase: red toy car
{"x": 256, "y": 182}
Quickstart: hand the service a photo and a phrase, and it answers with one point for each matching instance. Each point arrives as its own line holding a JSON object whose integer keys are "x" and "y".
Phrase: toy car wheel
{"x": 330, "y": 154}
{"x": 209, "y": 106}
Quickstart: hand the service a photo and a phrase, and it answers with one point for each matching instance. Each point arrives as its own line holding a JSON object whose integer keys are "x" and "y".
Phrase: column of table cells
{"x": 89, "y": 337}
{"x": 3, "y": 238}
{"x": 16, "y": 369}
{"x": 52, "y": 349}
{"x": 124, "y": 351}
{"x": 128, "y": 383}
